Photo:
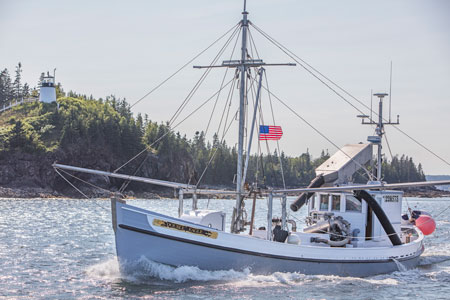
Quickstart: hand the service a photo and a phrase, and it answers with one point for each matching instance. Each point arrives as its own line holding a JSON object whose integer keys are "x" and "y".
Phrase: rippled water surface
{"x": 64, "y": 249}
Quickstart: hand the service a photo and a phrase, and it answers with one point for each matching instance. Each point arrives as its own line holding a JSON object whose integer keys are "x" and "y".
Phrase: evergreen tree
{"x": 6, "y": 92}
{"x": 17, "y": 92}
{"x": 25, "y": 91}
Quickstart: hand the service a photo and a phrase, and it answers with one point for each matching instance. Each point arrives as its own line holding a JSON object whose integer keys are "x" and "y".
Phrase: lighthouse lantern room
{"x": 47, "y": 91}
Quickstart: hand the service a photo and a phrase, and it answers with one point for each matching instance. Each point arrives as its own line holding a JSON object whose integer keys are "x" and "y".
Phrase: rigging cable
{"x": 67, "y": 180}
{"x": 261, "y": 121}
{"x": 88, "y": 183}
{"x": 315, "y": 129}
{"x": 235, "y": 27}
{"x": 201, "y": 80}
{"x": 78, "y": 190}
{"x": 389, "y": 147}
{"x": 274, "y": 123}
{"x": 185, "y": 65}
{"x": 223, "y": 80}
{"x": 294, "y": 56}
{"x": 227, "y": 103}
{"x": 170, "y": 129}
{"x": 215, "y": 151}
{"x": 225, "y": 130}
{"x": 126, "y": 183}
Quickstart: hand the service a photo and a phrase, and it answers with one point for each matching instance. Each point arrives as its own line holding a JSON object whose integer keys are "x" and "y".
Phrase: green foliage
{"x": 105, "y": 133}
{"x": 402, "y": 169}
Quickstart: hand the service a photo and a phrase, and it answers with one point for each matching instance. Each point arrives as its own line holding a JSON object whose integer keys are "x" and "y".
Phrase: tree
{"x": 59, "y": 91}
{"x": 17, "y": 85}
{"x": 26, "y": 90}
{"x": 41, "y": 78}
{"x": 6, "y": 88}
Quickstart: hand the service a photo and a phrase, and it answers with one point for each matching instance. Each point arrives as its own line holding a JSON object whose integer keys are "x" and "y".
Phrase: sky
{"x": 126, "y": 48}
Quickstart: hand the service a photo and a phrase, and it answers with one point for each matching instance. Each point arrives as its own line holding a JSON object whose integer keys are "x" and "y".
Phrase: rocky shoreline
{"x": 33, "y": 192}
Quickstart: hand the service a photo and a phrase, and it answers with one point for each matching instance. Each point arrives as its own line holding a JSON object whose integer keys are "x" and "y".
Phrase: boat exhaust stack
{"x": 301, "y": 200}
{"x": 379, "y": 212}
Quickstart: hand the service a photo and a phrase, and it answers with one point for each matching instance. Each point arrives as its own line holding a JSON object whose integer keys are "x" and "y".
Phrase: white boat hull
{"x": 171, "y": 241}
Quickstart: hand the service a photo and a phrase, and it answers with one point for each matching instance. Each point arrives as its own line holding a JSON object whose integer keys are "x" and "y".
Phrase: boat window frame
{"x": 313, "y": 202}
{"x": 332, "y": 202}
{"x": 327, "y": 202}
{"x": 353, "y": 211}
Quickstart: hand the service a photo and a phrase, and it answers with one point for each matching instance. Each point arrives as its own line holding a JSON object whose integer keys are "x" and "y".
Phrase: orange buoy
{"x": 426, "y": 224}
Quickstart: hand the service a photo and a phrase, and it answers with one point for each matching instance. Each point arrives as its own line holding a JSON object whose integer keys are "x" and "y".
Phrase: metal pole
{"x": 258, "y": 94}
{"x": 269, "y": 217}
{"x": 283, "y": 212}
{"x": 371, "y": 101}
{"x": 170, "y": 184}
{"x": 252, "y": 220}
{"x": 194, "y": 201}
{"x": 236, "y": 225}
{"x": 180, "y": 203}
{"x": 380, "y": 134}
{"x": 390, "y": 93}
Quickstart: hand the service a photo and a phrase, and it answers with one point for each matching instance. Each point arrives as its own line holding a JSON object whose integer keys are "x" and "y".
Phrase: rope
{"x": 223, "y": 80}
{"x": 302, "y": 63}
{"x": 201, "y": 80}
{"x": 389, "y": 147}
{"x": 227, "y": 103}
{"x": 274, "y": 123}
{"x": 169, "y": 131}
{"x": 315, "y": 129}
{"x": 223, "y": 135}
{"x": 185, "y": 65}
{"x": 191, "y": 93}
{"x": 88, "y": 183}
{"x": 56, "y": 170}
{"x": 127, "y": 182}
{"x": 214, "y": 154}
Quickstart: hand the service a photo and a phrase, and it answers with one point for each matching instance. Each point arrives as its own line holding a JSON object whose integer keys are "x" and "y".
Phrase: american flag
{"x": 267, "y": 132}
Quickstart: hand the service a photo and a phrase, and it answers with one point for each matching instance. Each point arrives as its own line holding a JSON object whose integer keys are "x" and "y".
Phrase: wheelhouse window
{"x": 336, "y": 202}
{"x": 352, "y": 204}
{"x": 324, "y": 202}
{"x": 313, "y": 202}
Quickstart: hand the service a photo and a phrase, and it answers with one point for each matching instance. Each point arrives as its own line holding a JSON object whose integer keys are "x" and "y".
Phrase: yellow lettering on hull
{"x": 184, "y": 228}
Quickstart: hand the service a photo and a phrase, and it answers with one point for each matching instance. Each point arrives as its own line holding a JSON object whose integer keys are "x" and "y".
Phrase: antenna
{"x": 390, "y": 92}
{"x": 245, "y": 5}
{"x": 371, "y": 100}
{"x": 376, "y": 140}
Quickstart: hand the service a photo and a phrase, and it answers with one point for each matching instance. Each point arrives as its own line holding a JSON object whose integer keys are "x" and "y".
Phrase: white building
{"x": 47, "y": 91}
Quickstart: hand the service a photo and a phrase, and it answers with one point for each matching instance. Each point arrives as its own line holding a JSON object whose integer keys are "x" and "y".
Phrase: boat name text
{"x": 184, "y": 228}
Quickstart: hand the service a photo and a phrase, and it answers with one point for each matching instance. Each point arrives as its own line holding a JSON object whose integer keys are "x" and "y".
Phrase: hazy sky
{"x": 126, "y": 48}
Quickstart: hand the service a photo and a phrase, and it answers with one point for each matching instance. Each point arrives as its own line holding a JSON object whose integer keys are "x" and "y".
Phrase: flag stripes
{"x": 268, "y": 132}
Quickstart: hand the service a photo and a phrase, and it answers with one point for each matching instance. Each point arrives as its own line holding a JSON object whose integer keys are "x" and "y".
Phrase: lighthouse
{"x": 47, "y": 91}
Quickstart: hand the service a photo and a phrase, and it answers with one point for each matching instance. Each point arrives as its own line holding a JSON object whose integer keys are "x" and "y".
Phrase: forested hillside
{"x": 103, "y": 134}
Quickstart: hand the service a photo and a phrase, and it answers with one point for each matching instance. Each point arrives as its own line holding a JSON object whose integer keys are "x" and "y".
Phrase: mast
{"x": 236, "y": 225}
{"x": 377, "y": 140}
{"x": 243, "y": 65}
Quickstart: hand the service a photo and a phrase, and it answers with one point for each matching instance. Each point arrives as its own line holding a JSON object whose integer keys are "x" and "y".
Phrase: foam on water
{"x": 426, "y": 260}
{"x": 400, "y": 266}
{"x": 146, "y": 271}
{"x": 107, "y": 270}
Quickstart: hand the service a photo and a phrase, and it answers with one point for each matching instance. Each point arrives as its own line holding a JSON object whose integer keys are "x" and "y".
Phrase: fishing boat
{"x": 351, "y": 229}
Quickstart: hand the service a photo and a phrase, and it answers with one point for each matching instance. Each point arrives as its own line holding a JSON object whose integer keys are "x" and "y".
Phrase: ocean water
{"x": 64, "y": 249}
